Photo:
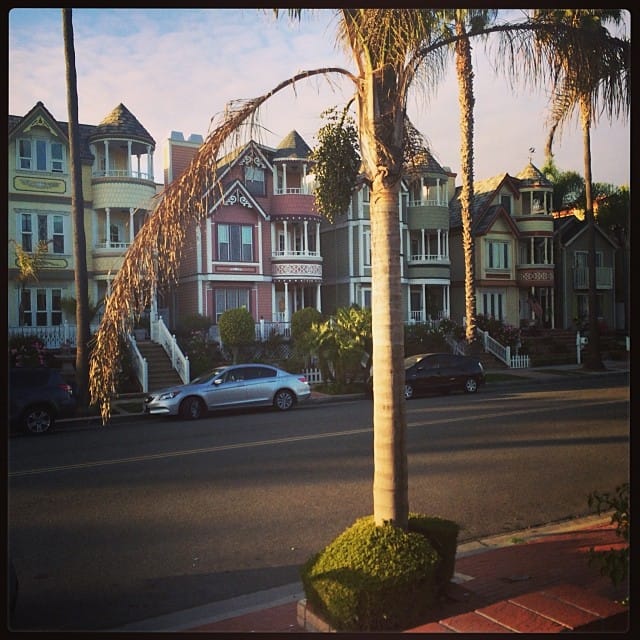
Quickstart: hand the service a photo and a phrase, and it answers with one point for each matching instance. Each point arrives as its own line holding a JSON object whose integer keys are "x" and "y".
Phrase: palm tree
{"x": 602, "y": 78}
{"x": 77, "y": 208}
{"x": 466, "y": 99}
{"x": 391, "y": 48}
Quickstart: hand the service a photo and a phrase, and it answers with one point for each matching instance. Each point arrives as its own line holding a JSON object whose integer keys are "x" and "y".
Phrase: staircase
{"x": 160, "y": 372}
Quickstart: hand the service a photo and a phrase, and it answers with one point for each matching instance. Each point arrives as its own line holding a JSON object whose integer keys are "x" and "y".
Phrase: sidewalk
{"x": 533, "y": 581}
{"x": 536, "y": 581}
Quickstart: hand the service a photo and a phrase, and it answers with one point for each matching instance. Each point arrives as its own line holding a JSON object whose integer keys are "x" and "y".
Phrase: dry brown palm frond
{"x": 154, "y": 256}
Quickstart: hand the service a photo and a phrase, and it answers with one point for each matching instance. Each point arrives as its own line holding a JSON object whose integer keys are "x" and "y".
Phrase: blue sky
{"x": 175, "y": 69}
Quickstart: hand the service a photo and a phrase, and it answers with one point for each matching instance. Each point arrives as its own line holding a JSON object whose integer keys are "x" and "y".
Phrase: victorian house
{"x": 259, "y": 246}
{"x": 572, "y": 276}
{"x": 118, "y": 188}
{"x": 423, "y": 218}
{"x": 512, "y": 227}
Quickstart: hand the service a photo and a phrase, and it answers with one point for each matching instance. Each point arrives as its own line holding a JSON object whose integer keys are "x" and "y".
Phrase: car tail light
{"x": 302, "y": 379}
{"x": 66, "y": 388}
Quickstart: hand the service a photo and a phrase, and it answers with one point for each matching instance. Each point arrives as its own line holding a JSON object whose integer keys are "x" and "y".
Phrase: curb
{"x": 294, "y": 592}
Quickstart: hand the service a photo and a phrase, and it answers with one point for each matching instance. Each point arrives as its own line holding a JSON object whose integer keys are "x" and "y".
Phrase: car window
{"x": 265, "y": 372}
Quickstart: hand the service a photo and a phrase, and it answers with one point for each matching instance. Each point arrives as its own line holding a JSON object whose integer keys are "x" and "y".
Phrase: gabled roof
{"x": 39, "y": 114}
{"x": 259, "y": 152}
{"x": 484, "y": 192}
{"x": 292, "y": 147}
{"x": 122, "y": 123}
{"x": 568, "y": 230}
{"x": 236, "y": 190}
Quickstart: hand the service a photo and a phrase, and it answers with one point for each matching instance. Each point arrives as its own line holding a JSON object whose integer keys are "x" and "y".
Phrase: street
{"x": 152, "y": 515}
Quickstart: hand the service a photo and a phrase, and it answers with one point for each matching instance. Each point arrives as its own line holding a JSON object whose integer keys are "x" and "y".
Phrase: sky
{"x": 176, "y": 69}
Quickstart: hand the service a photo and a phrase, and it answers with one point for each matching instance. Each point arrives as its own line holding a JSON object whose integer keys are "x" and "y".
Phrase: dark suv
{"x": 38, "y": 397}
{"x": 441, "y": 372}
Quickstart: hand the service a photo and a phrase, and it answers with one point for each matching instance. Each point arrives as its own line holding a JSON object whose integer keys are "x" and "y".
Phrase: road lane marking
{"x": 277, "y": 441}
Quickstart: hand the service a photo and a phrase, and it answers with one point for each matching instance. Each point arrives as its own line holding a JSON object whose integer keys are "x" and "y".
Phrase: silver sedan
{"x": 233, "y": 386}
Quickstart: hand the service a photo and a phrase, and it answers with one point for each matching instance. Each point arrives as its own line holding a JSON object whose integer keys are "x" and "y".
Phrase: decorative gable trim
{"x": 237, "y": 194}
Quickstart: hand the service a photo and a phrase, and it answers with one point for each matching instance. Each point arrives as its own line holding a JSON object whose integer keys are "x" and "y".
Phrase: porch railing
{"x": 161, "y": 334}
{"x": 502, "y": 352}
{"x": 53, "y": 337}
{"x": 139, "y": 364}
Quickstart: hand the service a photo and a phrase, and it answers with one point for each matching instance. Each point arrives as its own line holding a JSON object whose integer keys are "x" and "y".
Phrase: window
{"x": 254, "y": 180}
{"x": 581, "y": 259}
{"x": 235, "y": 243}
{"x": 230, "y": 299}
{"x": 41, "y": 307}
{"x": 505, "y": 201}
{"x": 41, "y": 155}
{"x": 366, "y": 249}
{"x": 49, "y": 229}
{"x": 492, "y": 305}
{"x": 497, "y": 254}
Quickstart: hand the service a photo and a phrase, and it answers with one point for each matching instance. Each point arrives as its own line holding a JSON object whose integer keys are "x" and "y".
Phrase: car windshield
{"x": 411, "y": 360}
{"x": 207, "y": 377}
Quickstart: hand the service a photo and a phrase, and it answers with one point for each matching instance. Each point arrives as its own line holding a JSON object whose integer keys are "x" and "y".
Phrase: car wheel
{"x": 470, "y": 385}
{"x": 39, "y": 419}
{"x": 408, "y": 392}
{"x": 192, "y": 409}
{"x": 284, "y": 400}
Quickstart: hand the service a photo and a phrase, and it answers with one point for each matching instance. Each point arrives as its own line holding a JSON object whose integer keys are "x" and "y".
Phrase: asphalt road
{"x": 148, "y": 516}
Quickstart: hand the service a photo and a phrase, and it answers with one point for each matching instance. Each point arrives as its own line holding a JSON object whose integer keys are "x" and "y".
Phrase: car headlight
{"x": 169, "y": 395}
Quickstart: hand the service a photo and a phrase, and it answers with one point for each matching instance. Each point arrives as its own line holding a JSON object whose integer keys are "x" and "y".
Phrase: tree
{"x": 237, "y": 330}
{"x": 77, "y": 208}
{"x": 390, "y": 49}
{"x": 585, "y": 84}
{"x": 29, "y": 265}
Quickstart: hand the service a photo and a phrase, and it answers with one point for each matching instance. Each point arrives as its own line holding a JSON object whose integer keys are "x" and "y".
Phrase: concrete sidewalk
{"x": 537, "y": 581}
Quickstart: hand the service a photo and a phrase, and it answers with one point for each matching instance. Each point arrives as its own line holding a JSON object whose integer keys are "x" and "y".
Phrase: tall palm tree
{"x": 599, "y": 84}
{"x": 478, "y": 19}
{"x": 77, "y": 208}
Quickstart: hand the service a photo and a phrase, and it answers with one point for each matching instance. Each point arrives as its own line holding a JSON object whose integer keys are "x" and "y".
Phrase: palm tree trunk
{"x": 466, "y": 99}
{"x": 77, "y": 207}
{"x": 390, "y": 482}
{"x": 593, "y": 361}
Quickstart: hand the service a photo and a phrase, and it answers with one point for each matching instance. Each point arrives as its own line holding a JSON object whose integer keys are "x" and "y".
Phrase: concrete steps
{"x": 160, "y": 372}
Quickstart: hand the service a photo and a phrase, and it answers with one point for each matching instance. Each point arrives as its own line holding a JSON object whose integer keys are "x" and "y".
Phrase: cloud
{"x": 175, "y": 69}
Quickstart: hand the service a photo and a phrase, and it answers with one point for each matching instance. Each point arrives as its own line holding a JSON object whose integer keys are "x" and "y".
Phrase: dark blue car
{"x": 38, "y": 396}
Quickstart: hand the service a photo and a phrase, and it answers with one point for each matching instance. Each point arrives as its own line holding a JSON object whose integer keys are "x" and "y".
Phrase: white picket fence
{"x": 314, "y": 376}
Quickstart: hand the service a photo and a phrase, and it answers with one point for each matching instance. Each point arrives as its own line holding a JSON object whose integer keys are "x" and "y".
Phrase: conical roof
{"x": 292, "y": 147}
{"x": 121, "y": 123}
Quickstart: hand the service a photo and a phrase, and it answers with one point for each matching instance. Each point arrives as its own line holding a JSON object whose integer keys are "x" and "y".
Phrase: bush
{"x": 613, "y": 562}
{"x": 29, "y": 351}
{"x": 376, "y": 578}
{"x": 237, "y": 330}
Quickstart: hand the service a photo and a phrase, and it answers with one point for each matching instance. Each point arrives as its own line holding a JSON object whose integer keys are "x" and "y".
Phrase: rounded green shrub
{"x": 373, "y": 578}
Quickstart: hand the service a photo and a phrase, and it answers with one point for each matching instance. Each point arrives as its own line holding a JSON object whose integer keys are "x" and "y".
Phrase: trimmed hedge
{"x": 380, "y": 578}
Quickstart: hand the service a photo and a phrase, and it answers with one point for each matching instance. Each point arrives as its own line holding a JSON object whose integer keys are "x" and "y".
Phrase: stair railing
{"x": 503, "y": 353}
{"x": 162, "y": 335}
{"x": 139, "y": 363}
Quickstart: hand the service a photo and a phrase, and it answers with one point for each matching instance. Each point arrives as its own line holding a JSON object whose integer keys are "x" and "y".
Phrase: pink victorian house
{"x": 259, "y": 247}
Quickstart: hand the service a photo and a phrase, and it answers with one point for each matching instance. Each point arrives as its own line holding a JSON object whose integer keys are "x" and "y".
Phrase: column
{"x": 107, "y": 223}
{"x": 106, "y": 157}
{"x": 260, "y": 240}
{"x": 284, "y": 177}
{"x": 318, "y": 252}
{"x": 287, "y": 318}
{"x": 131, "y": 225}
{"x": 305, "y": 243}
{"x": 286, "y": 238}
{"x": 129, "y": 172}
{"x": 149, "y": 162}
{"x": 318, "y": 298}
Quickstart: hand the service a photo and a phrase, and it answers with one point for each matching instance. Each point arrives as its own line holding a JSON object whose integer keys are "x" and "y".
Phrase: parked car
{"x": 241, "y": 385}
{"x": 38, "y": 396}
{"x": 440, "y": 373}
